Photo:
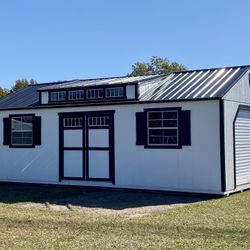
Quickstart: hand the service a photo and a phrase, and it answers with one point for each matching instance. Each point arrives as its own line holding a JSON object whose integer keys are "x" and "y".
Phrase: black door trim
{"x": 240, "y": 107}
{"x": 85, "y": 148}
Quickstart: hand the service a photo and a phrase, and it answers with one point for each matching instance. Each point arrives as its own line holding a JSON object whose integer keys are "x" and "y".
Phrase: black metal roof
{"x": 176, "y": 86}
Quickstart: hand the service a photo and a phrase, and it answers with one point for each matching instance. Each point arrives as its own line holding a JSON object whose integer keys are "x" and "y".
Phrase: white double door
{"x": 87, "y": 150}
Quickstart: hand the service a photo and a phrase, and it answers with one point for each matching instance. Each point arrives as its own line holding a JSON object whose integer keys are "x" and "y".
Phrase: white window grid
{"x": 94, "y": 93}
{"x": 72, "y": 122}
{"x": 163, "y": 127}
{"x": 19, "y": 126}
{"x": 114, "y": 92}
{"x": 98, "y": 121}
{"x": 76, "y": 94}
{"x": 58, "y": 96}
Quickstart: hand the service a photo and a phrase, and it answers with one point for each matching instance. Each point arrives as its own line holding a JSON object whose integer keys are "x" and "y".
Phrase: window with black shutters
{"x": 163, "y": 128}
{"x": 22, "y": 130}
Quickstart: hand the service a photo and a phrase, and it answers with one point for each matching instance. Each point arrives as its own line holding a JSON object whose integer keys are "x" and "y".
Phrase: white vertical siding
{"x": 194, "y": 168}
{"x": 238, "y": 95}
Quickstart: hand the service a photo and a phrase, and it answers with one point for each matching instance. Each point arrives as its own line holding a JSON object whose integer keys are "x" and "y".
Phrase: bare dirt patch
{"x": 126, "y": 204}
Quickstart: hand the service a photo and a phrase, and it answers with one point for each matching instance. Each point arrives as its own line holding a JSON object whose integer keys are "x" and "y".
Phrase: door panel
{"x": 98, "y": 164}
{"x": 73, "y": 138}
{"x": 73, "y": 164}
{"x": 98, "y": 138}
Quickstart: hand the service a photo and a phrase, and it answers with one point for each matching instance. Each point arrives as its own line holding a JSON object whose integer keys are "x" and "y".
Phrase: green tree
{"x": 157, "y": 65}
{"x": 22, "y": 83}
{"x": 3, "y": 92}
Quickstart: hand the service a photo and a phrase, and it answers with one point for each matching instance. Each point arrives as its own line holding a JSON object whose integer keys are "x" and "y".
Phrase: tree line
{"x": 156, "y": 65}
{"x": 19, "y": 84}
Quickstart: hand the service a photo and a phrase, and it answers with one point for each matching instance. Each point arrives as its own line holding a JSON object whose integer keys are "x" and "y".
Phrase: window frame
{"x": 58, "y": 91}
{"x": 150, "y": 145}
{"x": 12, "y": 145}
{"x": 76, "y": 99}
{"x": 95, "y": 89}
{"x": 115, "y": 97}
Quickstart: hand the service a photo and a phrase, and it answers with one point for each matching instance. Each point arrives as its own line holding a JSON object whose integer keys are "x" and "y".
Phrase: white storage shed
{"x": 183, "y": 131}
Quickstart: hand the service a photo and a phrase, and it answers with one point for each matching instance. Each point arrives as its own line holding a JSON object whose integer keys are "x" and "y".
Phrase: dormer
{"x": 74, "y": 93}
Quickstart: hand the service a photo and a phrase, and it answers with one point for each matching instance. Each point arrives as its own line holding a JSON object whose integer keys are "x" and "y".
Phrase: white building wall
{"x": 194, "y": 168}
{"x": 238, "y": 95}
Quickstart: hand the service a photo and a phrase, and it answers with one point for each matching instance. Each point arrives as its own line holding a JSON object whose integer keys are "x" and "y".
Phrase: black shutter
{"x": 6, "y": 131}
{"x": 37, "y": 133}
{"x": 185, "y": 128}
{"x": 141, "y": 128}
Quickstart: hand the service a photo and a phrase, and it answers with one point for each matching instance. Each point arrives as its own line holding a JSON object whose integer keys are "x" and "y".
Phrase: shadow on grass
{"x": 89, "y": 197}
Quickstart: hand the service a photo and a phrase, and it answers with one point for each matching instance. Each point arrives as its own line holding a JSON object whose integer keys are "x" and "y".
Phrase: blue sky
{"x": 50, "y": 40}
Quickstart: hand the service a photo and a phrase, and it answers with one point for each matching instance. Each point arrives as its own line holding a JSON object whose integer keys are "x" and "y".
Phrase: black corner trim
{"x": 222, "y": 147}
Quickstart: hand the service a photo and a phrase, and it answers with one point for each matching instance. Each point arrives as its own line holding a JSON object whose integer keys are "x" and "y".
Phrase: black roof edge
{"x": 44, "y": 106}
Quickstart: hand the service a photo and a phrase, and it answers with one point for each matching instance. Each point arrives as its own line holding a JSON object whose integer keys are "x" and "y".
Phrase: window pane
{"x": 16, "y": 123}
{"x": 22, "y": 138}
{"x": 169, "y": 132}
{"x": 155, "y": 136}
{"x": 171, "y": 140}
{"x": 170, "y": 115}
{"x": 155, "y": 115}
{"x": 169, "y": 123}
{"x": 155, "y": 123}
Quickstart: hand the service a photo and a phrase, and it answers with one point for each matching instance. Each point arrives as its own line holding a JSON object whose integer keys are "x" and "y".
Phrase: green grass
{"x": 210, "y": 224}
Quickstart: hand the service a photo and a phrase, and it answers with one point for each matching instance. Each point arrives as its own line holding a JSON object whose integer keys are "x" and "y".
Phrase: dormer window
{"x": 114, "y": 92}
{"x": 95, "y": 93}
{"x": 57, "y": 96}
{"x": 76, "y": 94}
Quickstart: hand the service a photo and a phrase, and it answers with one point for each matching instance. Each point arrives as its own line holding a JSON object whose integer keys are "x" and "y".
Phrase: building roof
{"x": 186, "y": 85}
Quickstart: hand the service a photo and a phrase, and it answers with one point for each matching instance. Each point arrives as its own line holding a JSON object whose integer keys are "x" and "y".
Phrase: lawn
{"x": 96, "y": 220}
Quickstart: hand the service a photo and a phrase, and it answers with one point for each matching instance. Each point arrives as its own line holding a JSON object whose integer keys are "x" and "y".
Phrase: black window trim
{"x": 165, "y": 146}
{"x": 36, "y": 131}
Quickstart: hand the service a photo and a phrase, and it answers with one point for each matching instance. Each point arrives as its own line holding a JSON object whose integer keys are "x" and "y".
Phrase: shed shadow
{"x": 90, "y": 197}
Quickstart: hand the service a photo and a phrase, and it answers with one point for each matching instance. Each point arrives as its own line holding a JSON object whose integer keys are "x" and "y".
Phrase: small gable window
{"x": 114, "y": 92}
{"x": 56, "y": 96}
{"x": 94, "y": 93}
{"x": 76, "y": 94}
